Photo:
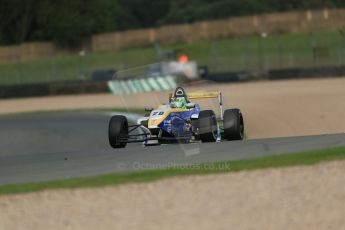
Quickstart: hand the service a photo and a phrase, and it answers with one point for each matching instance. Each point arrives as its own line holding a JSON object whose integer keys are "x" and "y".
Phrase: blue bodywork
{"x": 178, "y": 124}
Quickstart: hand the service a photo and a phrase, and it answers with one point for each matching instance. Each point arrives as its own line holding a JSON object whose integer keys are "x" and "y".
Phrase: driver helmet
{"x": 179, "y": 103}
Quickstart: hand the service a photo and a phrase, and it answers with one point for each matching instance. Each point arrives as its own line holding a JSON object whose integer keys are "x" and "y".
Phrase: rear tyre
{"x": 233, "y": 125}
{"x": 118, "y": 131}
{"x": 208, "y": 129}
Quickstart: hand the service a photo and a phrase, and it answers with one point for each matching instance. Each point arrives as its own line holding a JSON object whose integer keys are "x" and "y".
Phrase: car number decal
{"x": 157, "y": 113}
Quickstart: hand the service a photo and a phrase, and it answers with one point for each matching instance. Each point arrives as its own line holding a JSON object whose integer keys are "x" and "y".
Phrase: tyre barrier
{"x": 143, "y": 85}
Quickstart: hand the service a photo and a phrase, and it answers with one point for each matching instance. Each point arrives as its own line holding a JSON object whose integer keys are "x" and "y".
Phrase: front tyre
{"x": 233, "y": 125}
{"x": 118, "y": 131}
{"x": 208, "y": 129}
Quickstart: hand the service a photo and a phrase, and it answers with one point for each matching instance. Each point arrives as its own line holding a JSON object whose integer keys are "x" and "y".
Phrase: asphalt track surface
{"x": 48, "y": 146}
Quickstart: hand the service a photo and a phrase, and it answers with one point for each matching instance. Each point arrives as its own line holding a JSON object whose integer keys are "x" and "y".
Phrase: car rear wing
{"x": 207, "y": 95}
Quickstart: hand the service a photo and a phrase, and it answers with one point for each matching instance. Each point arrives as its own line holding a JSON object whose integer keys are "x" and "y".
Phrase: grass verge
{"x": 285, "y": 160}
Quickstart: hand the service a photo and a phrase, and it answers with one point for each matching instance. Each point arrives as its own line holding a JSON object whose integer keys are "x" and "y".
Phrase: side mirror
{"x": 190, "y": 105}
{"x": 148, "y": 109}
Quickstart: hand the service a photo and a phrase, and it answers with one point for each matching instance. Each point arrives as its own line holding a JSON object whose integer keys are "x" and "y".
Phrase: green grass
{"x": 233, "y": 54}
{"x": 303, "y": 158}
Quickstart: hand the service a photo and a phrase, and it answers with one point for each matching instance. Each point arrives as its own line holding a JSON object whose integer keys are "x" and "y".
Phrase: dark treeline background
{"x": 71, "y": 22}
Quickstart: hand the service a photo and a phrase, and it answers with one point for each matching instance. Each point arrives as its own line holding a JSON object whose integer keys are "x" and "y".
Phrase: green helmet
{"x": 179, "y": 102}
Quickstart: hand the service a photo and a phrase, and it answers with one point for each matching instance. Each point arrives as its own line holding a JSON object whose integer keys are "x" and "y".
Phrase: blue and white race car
{"x": 180, "y": 121}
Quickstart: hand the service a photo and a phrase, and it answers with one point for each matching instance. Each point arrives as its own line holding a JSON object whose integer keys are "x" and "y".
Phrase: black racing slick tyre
{"x": 208, "y": 129}
{"x": 233, "y": 125}
{"x": 118, "y": 131}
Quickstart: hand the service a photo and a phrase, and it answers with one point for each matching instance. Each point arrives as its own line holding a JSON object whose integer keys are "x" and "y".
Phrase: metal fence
{"x": 272, "y": 52}
{"x": 254, "y": 54}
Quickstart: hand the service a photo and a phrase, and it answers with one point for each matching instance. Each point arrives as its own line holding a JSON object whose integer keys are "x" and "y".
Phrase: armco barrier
{"x": 29, "y": 90}
{"x": 279, "y": 74}
{"x": 48, "y": 89}
{"x": 312, "y": 72}
{"x": 151, "y": 84}
{"x": 227, "y": 77}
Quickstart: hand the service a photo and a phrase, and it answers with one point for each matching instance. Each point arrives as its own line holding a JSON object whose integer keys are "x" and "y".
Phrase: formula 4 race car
{"x": 180, "y": 121}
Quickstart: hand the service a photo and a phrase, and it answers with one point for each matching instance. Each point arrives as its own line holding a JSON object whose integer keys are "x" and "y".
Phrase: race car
{"x": 179, "y": 121}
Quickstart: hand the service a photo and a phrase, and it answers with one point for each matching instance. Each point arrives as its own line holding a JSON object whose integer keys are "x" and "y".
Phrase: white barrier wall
{"x": 151, "y": 84}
